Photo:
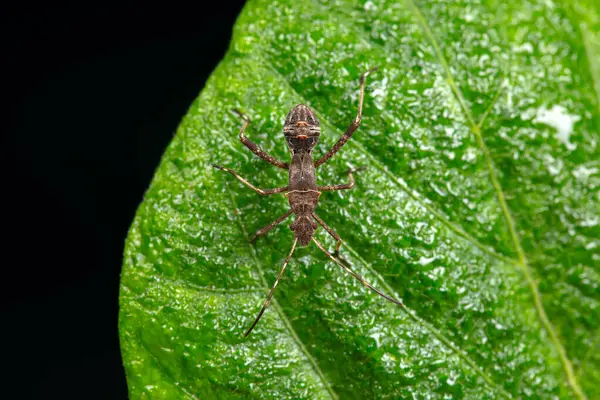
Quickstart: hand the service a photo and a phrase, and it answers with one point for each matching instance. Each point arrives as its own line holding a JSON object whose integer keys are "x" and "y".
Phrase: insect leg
{"x": 353, "y": 126}
{"x": 264, "y": 192}
{"x": 331, "y": 232}
{"x": 270, "y": 226}
{"x": 287, "y": 260}
{"x": 354, "y": 274}
{"x": 349, "y": 185}
{"x": 254, "y": 147}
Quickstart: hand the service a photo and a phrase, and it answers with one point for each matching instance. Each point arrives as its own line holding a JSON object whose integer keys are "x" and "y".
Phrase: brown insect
{"x": 301, "y": 130}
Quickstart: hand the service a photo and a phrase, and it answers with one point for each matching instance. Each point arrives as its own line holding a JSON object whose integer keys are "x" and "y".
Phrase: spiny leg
{"x": 270, "y": 226}
{"x": 287, "y": 260}
{"x": 354, "y": 274}
{"x": 349, "y": 185}
{"x": 331, "y": 232}
{"x": 264, "y": 192}
{"x": 254, "y": 147}
{"x": 353, "y": 126}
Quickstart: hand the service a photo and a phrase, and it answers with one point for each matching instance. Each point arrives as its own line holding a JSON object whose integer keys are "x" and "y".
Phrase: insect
{"x": 302, "y": 131}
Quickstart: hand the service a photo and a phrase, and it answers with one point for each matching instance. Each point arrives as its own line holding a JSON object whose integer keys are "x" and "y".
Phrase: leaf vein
{"x": 420, "y": 199}
{"x": 168, "y": 374}
{"x": 587, "y": 39}
{"x": 439, "y": 335}
{"x": 442, "y": 60}
{"x": 380, "y": 165}
{"x": 274, "y": 304}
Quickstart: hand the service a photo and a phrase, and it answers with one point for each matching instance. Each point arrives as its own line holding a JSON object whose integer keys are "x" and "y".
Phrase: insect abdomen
{"x": 303, "y": 202}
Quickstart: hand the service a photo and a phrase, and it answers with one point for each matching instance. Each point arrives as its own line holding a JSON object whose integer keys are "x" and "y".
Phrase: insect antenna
{"x": 287, "y": 260}
{"x": 354, "y": 274}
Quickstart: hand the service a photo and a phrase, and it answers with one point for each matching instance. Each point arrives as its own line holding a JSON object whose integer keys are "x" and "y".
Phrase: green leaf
{"x": 479, "y": 208}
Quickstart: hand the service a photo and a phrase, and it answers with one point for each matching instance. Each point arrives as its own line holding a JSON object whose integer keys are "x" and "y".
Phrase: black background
{"x": 91, "y": 95}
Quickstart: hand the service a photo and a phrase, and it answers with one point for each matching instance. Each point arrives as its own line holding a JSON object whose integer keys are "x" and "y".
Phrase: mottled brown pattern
{"x": 301, "y": 130}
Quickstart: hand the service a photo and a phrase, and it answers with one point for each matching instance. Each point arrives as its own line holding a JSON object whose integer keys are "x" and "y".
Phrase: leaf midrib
{"x": 522, "y": 263}
{"x": 475, "y": 128}
{"x": 586, "y": 38}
